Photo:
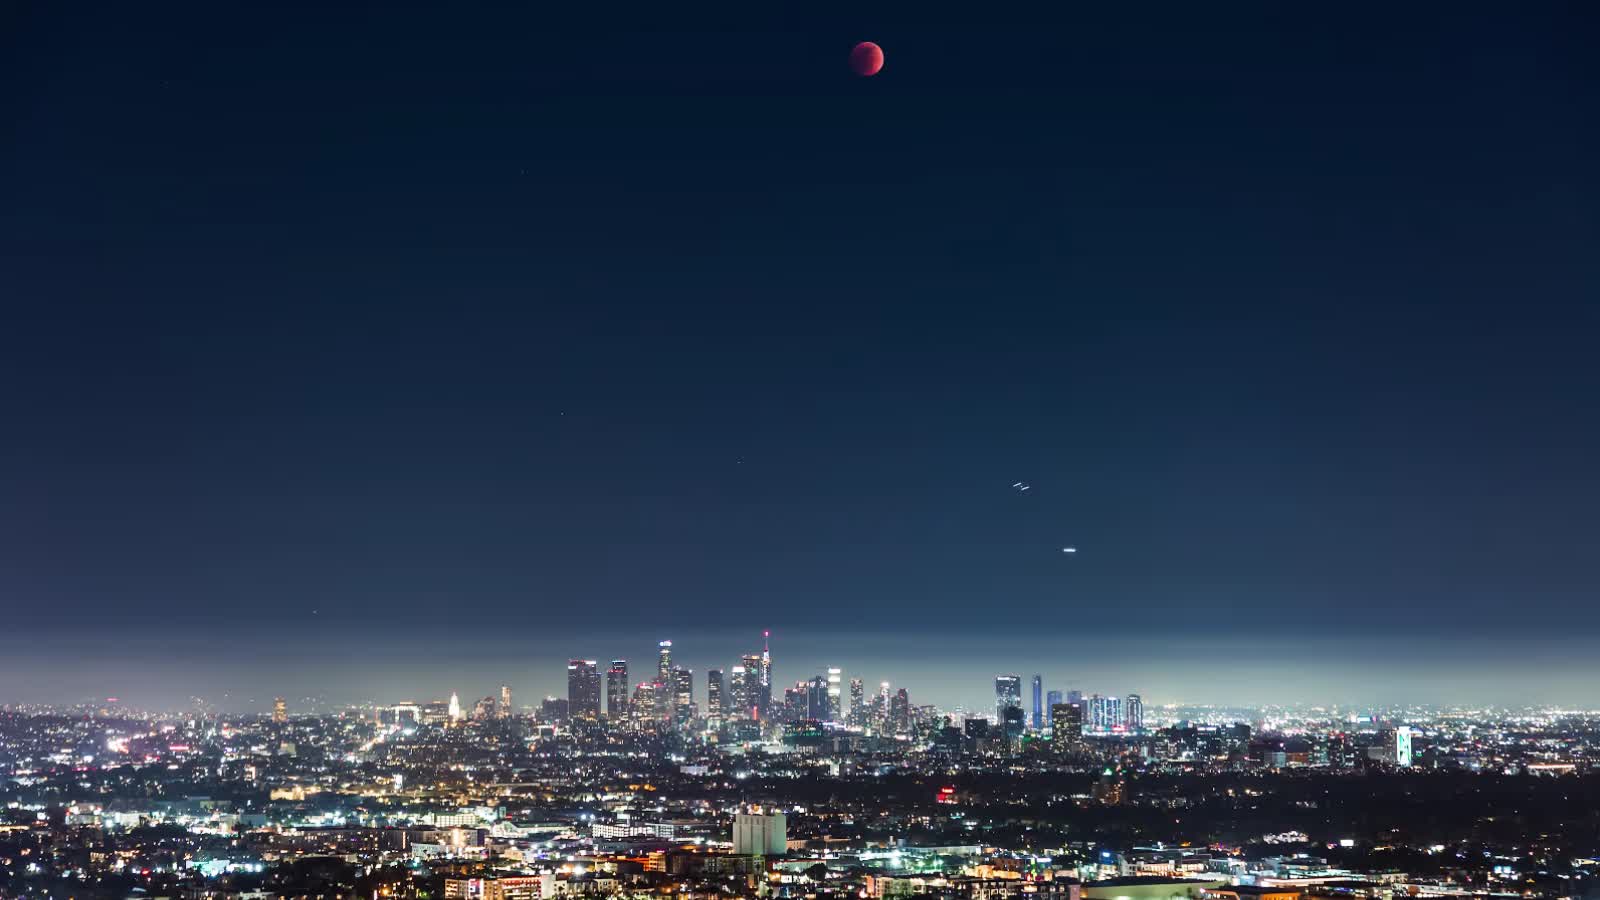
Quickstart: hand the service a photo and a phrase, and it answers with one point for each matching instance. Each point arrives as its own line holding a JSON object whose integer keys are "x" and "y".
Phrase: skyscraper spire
{"x": 766, "y": 674}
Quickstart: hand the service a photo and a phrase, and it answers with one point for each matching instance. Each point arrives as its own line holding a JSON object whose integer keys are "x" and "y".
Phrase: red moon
{"x": 866, "y": 59}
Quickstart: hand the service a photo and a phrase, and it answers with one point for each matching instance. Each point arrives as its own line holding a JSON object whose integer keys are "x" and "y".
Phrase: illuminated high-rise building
{"x": 280, "y": 711}
{"x": 1133, "y": 714}
{"x": 1037, "y": 723}
{"x": 716, "y": 703}
{"x": 835, "y": 695}
{"x": 644, "y": 710}
{"x": 682, "y": 695}
{"x": 817, "y": 699}
{"x": 1007, "y": 694}
{"x": 760, "y": 696}
{"x": 1402, "y": 746}
{"x": 553, "y": 710}
{"x": 1066, "y": 726}
{"x": 504, "y": 711}
{"x": 1051, "y": 699}
{"x": 741, "y": 693}
{"x": 664, "y": 662}
{"x": 583, "y": 689}
{"x": 794, "y": 705}
{"x": 617, "y": 690}
{"x": 900, "y": 712}
{"x": 857, "y": 715}
{"x": 765, "y": 699}
{"x": 455, "y": 708}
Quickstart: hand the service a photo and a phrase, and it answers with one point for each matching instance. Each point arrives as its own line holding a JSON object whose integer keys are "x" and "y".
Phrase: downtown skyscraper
{"x": 765, "y": 700}
{"x": 1007, "y": 695}
{"x": 583, "y": 689}
{"x": 1037, "y": 723}
{"x": 617, "y": 690}
{"x": 664, "y": 662}
{"x": 1066, "y": 726}
{"x": 716, "y": 699}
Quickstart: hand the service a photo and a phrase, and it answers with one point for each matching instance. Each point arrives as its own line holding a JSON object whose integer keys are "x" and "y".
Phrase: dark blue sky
{"x": 458, "y": 324}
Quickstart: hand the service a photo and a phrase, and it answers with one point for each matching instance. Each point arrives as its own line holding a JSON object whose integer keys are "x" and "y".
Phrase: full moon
{"x": 866, "y": 59}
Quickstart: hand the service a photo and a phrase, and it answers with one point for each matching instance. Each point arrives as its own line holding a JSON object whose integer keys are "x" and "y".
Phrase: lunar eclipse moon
{"x": 866, "y": 59}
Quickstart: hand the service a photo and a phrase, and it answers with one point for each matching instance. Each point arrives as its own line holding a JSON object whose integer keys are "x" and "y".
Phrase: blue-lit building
{"x": 1038, "y": 703}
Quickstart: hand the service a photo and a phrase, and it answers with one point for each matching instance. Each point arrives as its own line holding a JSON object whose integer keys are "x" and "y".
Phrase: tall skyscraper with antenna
{"x": 766, "y": 674}
{"x": 664, "y": 663}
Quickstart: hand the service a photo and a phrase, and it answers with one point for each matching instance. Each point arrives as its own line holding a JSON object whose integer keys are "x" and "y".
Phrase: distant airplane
{"x": 1069, "y": 549}
{"x": 1022, "y": 486}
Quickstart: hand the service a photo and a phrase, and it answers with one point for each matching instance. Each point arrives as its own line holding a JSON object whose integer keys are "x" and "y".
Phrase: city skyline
{"x": 1389, "y": 677}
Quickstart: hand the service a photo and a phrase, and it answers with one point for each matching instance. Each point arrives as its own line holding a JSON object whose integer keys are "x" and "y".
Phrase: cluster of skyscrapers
{"x": 741, "y": 700}
{"x": 1068, "y": 717}
{"x": 667, "y": 695}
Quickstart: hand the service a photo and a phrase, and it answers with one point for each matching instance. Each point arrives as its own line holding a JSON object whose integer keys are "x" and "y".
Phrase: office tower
{"x": 553, "y": 710}
{"x": 280, "y": 711}
{"x": 1114, "y": 717}
{"x": 484, "y": 709}
{"x": 793, "y": 708}
{"x": 715, "y": 702}
{"x": 740, "y": 693}
{"x": 1066, "y": 726}
{"x": 1007, "y": 694}
{"x": 1098, "y": 720}
{"x": 880, "y": 709}
{"x": 754, "y": 706}
{"x": 765, "y": 698}
{"x": 1038, "y": 703}
{"x": 1133, "y": 714}
{"x": 817, "y": 698}
{"x": 455, "y": 707}
{"x": 664, "y": 662}
{"x": 755, "y": 835}
{"x": 835, "y": 695}
{"x": 1051, "y": 699}
{"x": 682, "y": 695}
{"x": 504, "y": 711}
{"x": 1402, "y": 746}
{"x": 1014, "y": 722}
{"x": 583, "y": 689}
{"x": 858, "y": 703}
{"x": 617, "y": 690}
{"x": 644, "y": 710}
{"x": 900, "y": 712}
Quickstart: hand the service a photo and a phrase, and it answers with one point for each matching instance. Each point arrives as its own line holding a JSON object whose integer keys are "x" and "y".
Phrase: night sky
{"x": 380, "y": 351}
